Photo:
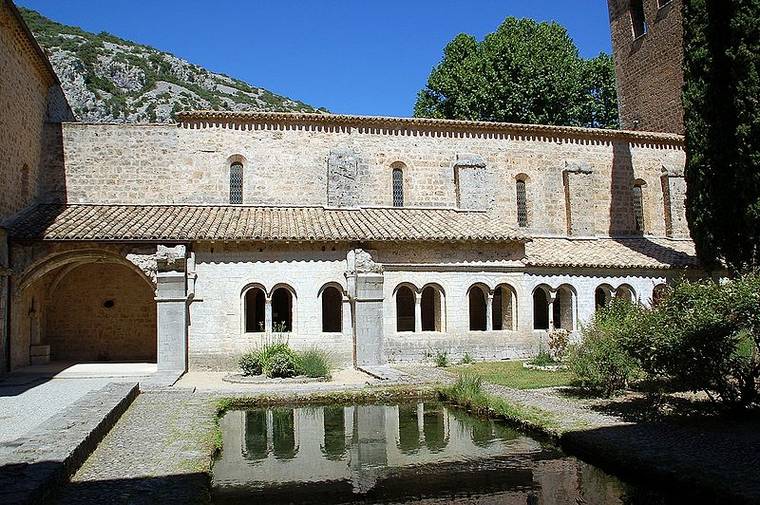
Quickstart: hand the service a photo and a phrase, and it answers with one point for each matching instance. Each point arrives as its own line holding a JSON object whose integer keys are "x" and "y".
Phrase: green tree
{"x": 526, "y": 72}
{"x": 722, "y": 119}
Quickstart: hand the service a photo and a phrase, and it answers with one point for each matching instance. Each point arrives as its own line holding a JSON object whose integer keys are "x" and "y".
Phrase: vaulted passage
{"x": 97, "y": 312}
{"x": 404, "y": 309}
{"x": 477, "y": 309}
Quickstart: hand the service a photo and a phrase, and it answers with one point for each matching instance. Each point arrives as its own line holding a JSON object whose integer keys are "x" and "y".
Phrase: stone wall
{"x": 321, "y": 165}
{"x": 217, "y": 334}
{"x": 101, "y": 312}
{"x": 29, "y": 96}
{"x": 649, "y": 68}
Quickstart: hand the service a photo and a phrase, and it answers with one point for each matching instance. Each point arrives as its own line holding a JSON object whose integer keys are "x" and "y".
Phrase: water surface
{"x": 407, "y": 453}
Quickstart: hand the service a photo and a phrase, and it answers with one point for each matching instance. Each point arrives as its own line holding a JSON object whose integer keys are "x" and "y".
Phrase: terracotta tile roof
{"x": 201, "y": 118}
{"x": 221, "y": 222}
{"x": 633, "y": 252}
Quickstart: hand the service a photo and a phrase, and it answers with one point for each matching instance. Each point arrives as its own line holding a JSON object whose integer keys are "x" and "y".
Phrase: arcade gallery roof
{"x": 187, "y": 223}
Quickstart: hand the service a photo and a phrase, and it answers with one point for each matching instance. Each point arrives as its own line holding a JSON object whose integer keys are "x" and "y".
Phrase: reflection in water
{"x": 255, "y": 435}
{"x": 395, "y": 454}
{"x": 283, "y": 434}
{"x": 335, "y": 433}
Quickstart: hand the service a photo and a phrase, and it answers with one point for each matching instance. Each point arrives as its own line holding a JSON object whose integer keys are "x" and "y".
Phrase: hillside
{"x": 106, "y": 78}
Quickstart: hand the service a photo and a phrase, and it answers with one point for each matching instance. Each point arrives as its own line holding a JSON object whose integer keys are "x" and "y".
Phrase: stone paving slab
{"x": 159, "y": 452}
{"x": 49, "y": 454}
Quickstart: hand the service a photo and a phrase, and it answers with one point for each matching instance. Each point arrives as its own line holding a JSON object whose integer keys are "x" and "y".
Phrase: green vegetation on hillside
{"x": 126, "y": 81}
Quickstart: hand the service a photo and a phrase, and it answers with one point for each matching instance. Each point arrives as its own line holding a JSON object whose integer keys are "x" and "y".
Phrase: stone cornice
{"x": 205, "y": 118}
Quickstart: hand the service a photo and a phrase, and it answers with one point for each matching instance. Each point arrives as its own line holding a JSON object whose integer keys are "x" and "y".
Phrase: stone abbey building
{"x": 379, "y": 239}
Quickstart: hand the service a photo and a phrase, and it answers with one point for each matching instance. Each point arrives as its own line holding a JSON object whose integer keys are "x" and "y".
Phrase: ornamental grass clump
{"x": 316, "y": 363}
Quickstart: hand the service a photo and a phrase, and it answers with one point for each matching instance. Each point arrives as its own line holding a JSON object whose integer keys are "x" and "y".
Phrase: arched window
{"x": 255, "y": 303}
{"x": 502, "y": 310}
{"x": 625, "y": 292}
{"x": 282, "y": 310}
{"x": 432, "y": 309}
{"x": 236, "y": 183}
{"x": 404, "y": 309}
{"x": 540, "y": 309}
{"x": 522, "y": 203}
{"x": 332, "y": 310}
{"x": 398, "y": 187}
{"x": 638, "y": 207}
{"x": 477, "y": 298}
{"x": 659, "y": 293}
{"x": 602, "y": 297}
{"x": 563, "y": 309}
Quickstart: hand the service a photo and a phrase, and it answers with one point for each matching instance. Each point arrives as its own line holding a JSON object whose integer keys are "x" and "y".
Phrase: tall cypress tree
{"x": 722, "y": 116}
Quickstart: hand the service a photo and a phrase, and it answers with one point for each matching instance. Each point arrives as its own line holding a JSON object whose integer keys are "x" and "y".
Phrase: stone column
{"x": 268, "y": 315}
{"x": 552, "y": 298}
{"x": 418, "y": 312}
{"x": 489, "y": 312}
{"x": 172, "y": 308}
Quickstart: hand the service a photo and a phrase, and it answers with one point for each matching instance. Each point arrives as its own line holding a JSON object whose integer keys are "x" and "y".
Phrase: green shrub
{"x": 250, "y": 363}
{"x": 282, "y": 364}
{"x": 705, "y": 336}
{"x": 468, "y": 387}
{"x": 543, "y": 358}
{"x": 441, "y": 359}
{"x": 315, "y": 363}
{"x": 600, "y": 361}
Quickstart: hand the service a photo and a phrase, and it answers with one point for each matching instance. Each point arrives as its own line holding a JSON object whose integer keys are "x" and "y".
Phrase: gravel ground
{"x": 158, "y": 452}
{"x": 26, "y": 403}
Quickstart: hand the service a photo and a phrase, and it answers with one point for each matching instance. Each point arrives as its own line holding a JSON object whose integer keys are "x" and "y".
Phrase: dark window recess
{"x": 638, "y": 19}
{"x": 522, "y": 204}
{"x": 236, "y": 183}
{"x": 109, "y": 304}
{"x": 638, "y": 209}
{"x": 398, "y": 187}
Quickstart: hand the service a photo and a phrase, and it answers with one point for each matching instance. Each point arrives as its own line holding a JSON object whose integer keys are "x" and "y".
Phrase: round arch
{"x": 284, "y": 303}
{"x": 433, "y": 307}
{"x": 504, "y": 310}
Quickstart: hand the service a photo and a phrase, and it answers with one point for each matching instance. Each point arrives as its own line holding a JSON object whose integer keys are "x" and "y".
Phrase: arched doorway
{"x": 82, "y": 309}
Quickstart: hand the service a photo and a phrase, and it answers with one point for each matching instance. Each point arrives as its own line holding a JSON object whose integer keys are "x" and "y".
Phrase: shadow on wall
{"x": 622, "y": 221}
{"x": 621, "y": 187}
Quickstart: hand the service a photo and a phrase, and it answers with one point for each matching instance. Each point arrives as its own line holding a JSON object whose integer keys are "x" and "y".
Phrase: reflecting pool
{"x": 407, "y": 453}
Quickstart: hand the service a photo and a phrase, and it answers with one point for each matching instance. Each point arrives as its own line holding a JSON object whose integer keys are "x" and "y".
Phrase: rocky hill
{"x": 106, "y": 78}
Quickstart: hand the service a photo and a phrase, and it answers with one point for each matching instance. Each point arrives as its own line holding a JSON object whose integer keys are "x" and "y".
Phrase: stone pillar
{"x": 489, "y": 312}
{"x": 346, "y": 323}
{"x": 268, "y": 315}
{"x": 172, "y": 308}
{"x": 365, "y": 288}
{"x": 418, "y": 312}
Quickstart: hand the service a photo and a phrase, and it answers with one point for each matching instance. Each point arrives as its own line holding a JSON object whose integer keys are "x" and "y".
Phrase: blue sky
{"x": 351, "y": 56}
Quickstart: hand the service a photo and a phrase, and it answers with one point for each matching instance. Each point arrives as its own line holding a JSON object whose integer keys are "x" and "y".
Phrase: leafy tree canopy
{"x": 722, "y": 118}
{"x": 525, "y": 72}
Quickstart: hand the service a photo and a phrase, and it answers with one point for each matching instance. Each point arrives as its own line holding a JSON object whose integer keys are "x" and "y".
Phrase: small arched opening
{"x": 602, "y": 296}
{"x": 625, "y": 292}
{"x": 404, "y": 309}
{"x": 540, "y": 309}
{"x": 504, "y": 310}
{"x": 255, "y": 310}
{"x": 478, "y": 309}
{"x": 282, "y": 310}
{"x": 659, "y": 293}
{"x": 432, "y": 308}
{"x": 332, "y": 310}
{"x": 563, "y": 308}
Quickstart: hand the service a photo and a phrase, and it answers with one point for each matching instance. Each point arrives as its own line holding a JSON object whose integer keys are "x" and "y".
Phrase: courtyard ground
{"x": 162, "y": 448}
